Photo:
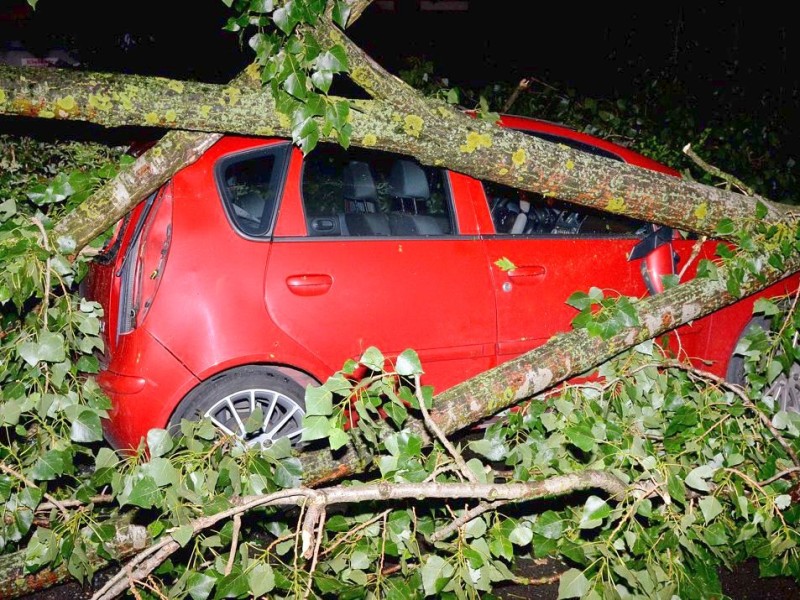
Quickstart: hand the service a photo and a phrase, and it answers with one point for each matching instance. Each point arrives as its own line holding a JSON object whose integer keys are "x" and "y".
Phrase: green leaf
{"x": 282, "y": 18}
{"x": 696, "y": 478}
{"x": 725, "y": 227}
{"x": 594, "y": 511}
{"x": 436, "y": 572}
{"x": 372, "y": 359}
{"x": 144, "y": 493}
{"x": 295, "y": 84}
{"x": 579, "y": 300}
{"x": 408, "y": 363}
{"x": 581, "y": 436}
{"x": 49, "y": 348}
{"x": 505, "y": 265}
{"x": 86, "y": 427}
{"x": 334, "y": 60}
{"x": 162, "y": 471}
{"x": 50, "y": 465}
{"x": 199, "y": 585}
{"x": 573, "y": 584}
{"x": 261, "y": 580}
{"x": 306, "y": 135}
{"x": 337, "y": 438}
{"x": 322, "y": 80}
{"x": 319, "y": 401}
{"x": 766, "y": 307}
{"x": 341, "y": 13}
{"x": 315, "y": 428}
{"x": 183, "y": 536}
{"x": 710, "y": 507}
{"x": 159, "y": 442}
{"x": 761, "y": 210}
{"x": 233, "y": 585}
{"x": 521, "y": 535}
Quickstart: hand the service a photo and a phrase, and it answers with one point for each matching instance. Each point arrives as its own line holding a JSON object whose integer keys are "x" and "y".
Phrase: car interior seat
{"x": 361, "y": 216}
{"x": 409, "y": 189}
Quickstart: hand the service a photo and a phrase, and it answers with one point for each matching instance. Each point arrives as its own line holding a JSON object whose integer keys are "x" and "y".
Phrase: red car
{"x": 256, "y": 271}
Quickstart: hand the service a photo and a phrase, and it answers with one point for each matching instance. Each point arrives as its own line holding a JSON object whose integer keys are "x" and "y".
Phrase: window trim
{"x": 282, "y": 152}
{"x": 446, "y": 183}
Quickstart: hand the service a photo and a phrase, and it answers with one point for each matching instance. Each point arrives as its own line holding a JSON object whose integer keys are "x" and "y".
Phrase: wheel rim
{"x": 785, "y": 390}
{"x": 283, "y": 417}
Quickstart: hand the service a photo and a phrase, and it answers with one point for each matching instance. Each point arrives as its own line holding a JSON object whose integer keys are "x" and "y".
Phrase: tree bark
{"x": 443, "y": 136}
{"x": 16, "y": 582}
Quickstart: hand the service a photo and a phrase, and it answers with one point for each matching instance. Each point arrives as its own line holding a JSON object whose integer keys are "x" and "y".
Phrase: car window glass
{"x": 358, "y": 192}
{"x": 250, "y": 186}
{"x": 518, "y": 212}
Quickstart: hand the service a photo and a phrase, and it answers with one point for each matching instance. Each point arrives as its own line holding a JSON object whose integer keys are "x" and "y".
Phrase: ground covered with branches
{"x": 645, "y": 479}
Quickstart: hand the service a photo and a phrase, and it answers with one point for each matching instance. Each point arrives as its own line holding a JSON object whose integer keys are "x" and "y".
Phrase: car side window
{"x": 518, "y": 212}
{"x": 359, "y": 192}
{"x": 250, "y": 184}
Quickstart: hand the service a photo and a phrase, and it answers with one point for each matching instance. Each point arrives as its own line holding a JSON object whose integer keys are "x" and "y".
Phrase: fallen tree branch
{"x": 717, "y": 172}
{"x": 148, "y": 560}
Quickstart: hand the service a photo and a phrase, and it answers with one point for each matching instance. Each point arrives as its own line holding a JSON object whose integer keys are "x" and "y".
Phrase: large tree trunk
{"x": 441, "y": 136}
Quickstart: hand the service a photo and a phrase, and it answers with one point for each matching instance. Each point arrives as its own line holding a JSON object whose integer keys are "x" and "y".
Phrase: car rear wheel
{"x": 229, "y": 399}
{"x": 785, "y": 389}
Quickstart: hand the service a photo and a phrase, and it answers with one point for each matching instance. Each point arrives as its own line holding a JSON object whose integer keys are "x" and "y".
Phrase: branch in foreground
{"x": 150, "y": 559}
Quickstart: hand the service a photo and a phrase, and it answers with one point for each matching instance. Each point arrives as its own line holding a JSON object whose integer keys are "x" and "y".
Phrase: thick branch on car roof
{"x": 451, "y": 139}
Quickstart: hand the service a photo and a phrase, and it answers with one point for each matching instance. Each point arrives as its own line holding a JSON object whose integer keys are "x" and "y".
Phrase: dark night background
{"x": 744, "y": 51}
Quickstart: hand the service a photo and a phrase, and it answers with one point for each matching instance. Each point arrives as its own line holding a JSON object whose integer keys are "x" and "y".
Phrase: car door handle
{"x": 529, "y": 274}
{"x": 309, "y": 285}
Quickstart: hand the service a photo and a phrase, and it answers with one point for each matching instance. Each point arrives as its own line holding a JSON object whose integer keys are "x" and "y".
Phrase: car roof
{"x": 549, "y": 129}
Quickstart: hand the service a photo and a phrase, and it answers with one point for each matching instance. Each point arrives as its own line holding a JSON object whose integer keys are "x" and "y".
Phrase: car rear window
{"x": 250, "y": 184}
{"x": 360, "y": 192}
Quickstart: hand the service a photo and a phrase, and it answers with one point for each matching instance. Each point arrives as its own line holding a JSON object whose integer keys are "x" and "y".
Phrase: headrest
{"x": 358, "y": 182}
{"x": 407, "y": 180}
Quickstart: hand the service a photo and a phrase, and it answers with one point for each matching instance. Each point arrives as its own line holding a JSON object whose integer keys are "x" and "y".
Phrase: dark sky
{"x": 601, "y": 49}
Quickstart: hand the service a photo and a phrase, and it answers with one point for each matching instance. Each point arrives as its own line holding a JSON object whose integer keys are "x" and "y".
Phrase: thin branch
{"x": 523, "y": 85}
{"x": 351, "y": 532}
{"x": 20, "y": 477}
{"x": 780, "y": 475}
{"x": 315, "y": 552}
{"x": 434, "y": 428}
{"x": 476, "y": 511}
{"x": 696, "y": 248}
{"x": 717, "y": 172}
{"x": 237, "y": 525}
{"x": 46, "y": 291}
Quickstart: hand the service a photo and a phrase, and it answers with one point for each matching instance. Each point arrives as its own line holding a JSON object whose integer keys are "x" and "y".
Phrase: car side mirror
{"x": 659, "y": 258}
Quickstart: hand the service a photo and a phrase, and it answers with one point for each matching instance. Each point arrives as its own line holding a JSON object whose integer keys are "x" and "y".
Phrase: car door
{"x": 367, "y": 252}
{"x": 556, "y": 248}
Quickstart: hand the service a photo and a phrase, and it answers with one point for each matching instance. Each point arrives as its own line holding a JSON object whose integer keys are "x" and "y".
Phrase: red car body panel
{"x": 306, "y": 304}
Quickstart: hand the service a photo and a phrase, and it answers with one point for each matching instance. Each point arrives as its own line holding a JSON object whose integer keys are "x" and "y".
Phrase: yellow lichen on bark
{"x": 370, "y": 140}
{"x": 519, "y": 157}
{"x": 413, "y": 125}
{"x": 475, "y": 141}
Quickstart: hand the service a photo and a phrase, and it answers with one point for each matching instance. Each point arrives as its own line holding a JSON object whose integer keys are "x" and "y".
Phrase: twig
{"x": 450, "y": 528}
{"x": 521, "y": 86}
{"x": 780, "y": 475}
{"x": 315, "y": 553}
{"x": 698, "y": 246}
{"x": 19, "y": 476}
{"x": 237, "y": 525}
{"x": 434, "y": 428}
{"x": 717, "y": 172}
{"x": 46, "y": 290}
{"x": 738, "y": 391}
{"x": 348, "y": 534}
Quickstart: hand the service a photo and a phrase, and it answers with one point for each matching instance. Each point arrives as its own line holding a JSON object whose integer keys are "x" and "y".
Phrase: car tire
{"x": 785, "y": 390}
{"x": 229, "y": 398}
